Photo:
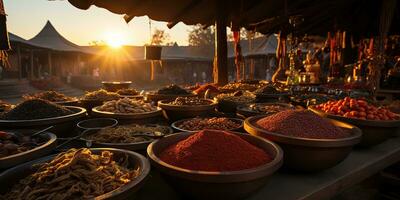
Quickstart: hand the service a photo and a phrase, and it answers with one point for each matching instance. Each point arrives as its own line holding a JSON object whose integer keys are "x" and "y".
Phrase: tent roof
{"x": 15, "y": 38}
{"x": 50, "y": 38}
{"x": 266, "y": 16}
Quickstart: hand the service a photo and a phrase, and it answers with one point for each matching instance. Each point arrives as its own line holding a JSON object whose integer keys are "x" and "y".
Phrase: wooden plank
{"x": 361, "y": 164}
{"x": 221, "y": 49}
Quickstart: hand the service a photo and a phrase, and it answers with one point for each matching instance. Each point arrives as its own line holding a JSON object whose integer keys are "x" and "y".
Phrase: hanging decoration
{"x": 238, "y": 55}
{"x": 4, "y": 41}
{"x": 153, "y": 53}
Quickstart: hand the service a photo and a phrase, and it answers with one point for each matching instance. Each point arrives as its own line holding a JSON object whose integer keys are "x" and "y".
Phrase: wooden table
{"x": 361, "y": 164}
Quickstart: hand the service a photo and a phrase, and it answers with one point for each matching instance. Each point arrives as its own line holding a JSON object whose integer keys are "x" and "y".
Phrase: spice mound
{"x": 189, "y": 101}
{"x": 75, "y": 174}
{"x": 357, "y": 108}
{"x": 52, "y": 96}
{"x": 172, "y": 90}
{"x": 214, "y": 151}
{"x": 303, "y": 124}
{"x": 127, "y": 134}
{"x": 13, "y": 143}
{"x": 101, "y": 95}
{"x": 237, "y": 97}
{"x": 36, "y": 109}
{"x": 215, "y": 123}
{"x": 267, "y": 109}
{"x": 4, "y": 106}
{"x": 128, "y": 92}
{"x": 127, "y": 105}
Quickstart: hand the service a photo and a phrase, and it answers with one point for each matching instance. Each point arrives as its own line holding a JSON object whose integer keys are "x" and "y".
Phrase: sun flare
{"x": 114, "y": 40}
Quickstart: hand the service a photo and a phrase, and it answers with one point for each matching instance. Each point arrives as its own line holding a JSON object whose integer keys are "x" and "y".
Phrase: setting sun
{"x": 114, "y": 40}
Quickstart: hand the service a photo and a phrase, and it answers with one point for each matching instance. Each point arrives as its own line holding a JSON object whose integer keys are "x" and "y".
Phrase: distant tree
{"x": 245, "y": 34}
{"x": 97, "y": 43}
{"x": 159, "y": 37}
{"x": 198, "y": 36}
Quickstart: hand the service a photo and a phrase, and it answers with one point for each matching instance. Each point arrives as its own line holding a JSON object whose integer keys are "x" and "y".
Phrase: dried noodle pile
{"x": 75, "y": 174}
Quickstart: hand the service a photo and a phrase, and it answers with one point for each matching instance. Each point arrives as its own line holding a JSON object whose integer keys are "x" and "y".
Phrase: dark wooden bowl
{"x": 113, "y": 86}
{"x": 175, "y": 125}
{"x": 159, "y": 97}
{"x": 96, "y": 123}
{"x": 136, "y": 146}
{"x": 177, "y": 112}
{"x": 90, "y": 104}
{"x": 37, "y": 152}
{"x": 306, "y": 154}
{"x": 215, "y": 185}
{"x": 246, "y": 111}
{"x": 374, "y": 132}
{"x": 126, "y": 118}
{"x": 62, "y": 125}
{"x": 136, "y": 161}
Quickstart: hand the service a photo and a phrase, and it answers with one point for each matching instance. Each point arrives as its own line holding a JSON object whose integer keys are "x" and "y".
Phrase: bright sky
{"x": 27, "y": 17}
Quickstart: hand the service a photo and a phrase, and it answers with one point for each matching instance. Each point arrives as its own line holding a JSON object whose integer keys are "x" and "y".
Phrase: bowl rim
{"x": 174, "y": 125}
{"x": 144, "y": 114}
{"x": 166, "y": 106}
{"x": 244, "y": 108}
{"x": 80, "y": 111}
{"x": 273, "y": 164}
{"x": 142, "y": 162}
{"x": 356, "y": 121}
{"x": 51, "y": 138}
{"x": 170, "y": 131}
{"x": 79, "y": 124}
{"x": 355, "y": 138}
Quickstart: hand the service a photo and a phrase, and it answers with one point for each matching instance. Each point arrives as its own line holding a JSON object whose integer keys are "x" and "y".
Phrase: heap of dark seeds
{"x": 35, "y": 109}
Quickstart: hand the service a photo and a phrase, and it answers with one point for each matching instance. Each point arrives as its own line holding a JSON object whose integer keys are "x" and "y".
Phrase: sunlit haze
{"x": 27, "y": 17}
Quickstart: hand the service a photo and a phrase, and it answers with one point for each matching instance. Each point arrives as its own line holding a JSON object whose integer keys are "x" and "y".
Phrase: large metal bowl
{"x": 374, "y": 132}
{"x": 37, "y": 152}
{"x": 175, "y": 125}
{"x": 62, "y": 126}
{"x": 140, "y": 118}
{"x": 177, "y": 112}
{"x": 215, "y": 185}
{"x": 306, "y": 154}
{"x": 136, "y": 161}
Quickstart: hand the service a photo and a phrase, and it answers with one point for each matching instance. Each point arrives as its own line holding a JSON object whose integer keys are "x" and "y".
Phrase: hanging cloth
{"x": 4, "y": 41}
{"x": 238, "y": 54}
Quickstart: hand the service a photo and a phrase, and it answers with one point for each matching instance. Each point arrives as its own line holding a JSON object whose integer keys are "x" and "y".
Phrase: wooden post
{"x": 221, "y": 50}
{"x": 31, "y": 59}
{"x": 49, "y": 63}
{"x": 19, "y": 61}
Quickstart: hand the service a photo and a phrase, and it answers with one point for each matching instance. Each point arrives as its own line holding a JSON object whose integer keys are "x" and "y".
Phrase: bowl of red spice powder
{"x": 311, "y": 143}
{"x": 213, "y": 164}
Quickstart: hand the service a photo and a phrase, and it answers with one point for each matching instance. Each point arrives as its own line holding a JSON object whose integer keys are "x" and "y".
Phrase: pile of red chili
{"x": 301, "y": 124}
{"x": 211, "y": 150}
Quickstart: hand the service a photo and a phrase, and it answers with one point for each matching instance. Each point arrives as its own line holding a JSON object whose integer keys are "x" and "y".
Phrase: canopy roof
{"x": 50, "y": 38}
{"x": 16, "y": 39}
{"x": 266, "y": 16}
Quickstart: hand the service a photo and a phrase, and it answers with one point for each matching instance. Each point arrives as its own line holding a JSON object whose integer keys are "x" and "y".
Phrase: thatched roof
{"x": 266, "y": 16}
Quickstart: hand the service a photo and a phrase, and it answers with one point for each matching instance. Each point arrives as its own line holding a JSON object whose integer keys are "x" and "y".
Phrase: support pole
{"x": 221, "y": 51}
{"x": 49, "y": 61}
{"x": 31, "y": 59}
{"x": 19, "y": 62}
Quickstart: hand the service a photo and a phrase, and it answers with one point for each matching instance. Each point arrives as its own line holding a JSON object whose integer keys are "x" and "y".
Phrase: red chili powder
{"x": 301, "y": 124}
{"x": 211, "y": 150}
